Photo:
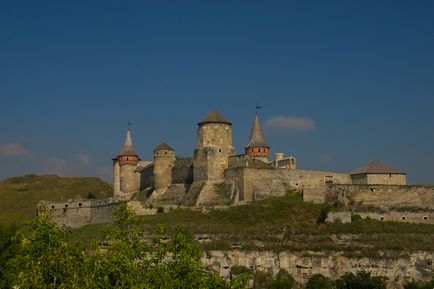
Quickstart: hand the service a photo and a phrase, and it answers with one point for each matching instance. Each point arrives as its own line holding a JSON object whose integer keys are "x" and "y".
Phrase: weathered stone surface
{"x": 303, "y": 265}
{"x": 338, "y": 217}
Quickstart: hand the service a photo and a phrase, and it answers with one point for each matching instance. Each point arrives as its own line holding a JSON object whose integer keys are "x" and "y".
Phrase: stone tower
{"x": 164, "y": 160}
{"x": 257, "y": 146}
{"x": 214, "y": 146}
{"x": 126, "y": 181}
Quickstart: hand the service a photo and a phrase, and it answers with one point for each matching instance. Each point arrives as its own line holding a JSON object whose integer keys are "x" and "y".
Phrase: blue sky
{"x": 341, "y": 82}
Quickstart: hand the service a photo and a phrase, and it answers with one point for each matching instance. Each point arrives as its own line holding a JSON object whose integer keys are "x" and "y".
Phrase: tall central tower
{"x": 214, "y": 146}
{"x": 126, "y": 181}
{"x": 257, "y": 146}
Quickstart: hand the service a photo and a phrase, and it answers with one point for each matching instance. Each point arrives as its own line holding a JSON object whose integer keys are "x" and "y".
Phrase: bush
{"x": 362, "y": 280}
{"x": 418, "y": 285}
{"x": 283, "y": 281}
{"x": 355, "y": 217}
{"x": 318, "y": 281}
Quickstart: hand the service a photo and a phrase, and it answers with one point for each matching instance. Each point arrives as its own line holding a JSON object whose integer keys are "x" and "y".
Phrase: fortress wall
{"x": 422, "y": 217}
{"x": 303, "y": 265}
{"x": 257, "y": 184}
{"x": 182, "y": 175}
{"x": 314, "y": 183}
{"x": 382, "y": 196}
{"x": 79, "y": 213}
{"x": 387, "y": 179}
{"x": 147, "y": 178}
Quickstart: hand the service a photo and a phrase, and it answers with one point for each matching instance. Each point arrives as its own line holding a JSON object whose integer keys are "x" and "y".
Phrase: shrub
{"x": 418, "y": 285}
{"x": 355, "y": 217}
{"x": 362, "y": 280}
{"x": 283, "y": 281}
{"x": 318, "y": 281}
{"x": 160, "y": 210}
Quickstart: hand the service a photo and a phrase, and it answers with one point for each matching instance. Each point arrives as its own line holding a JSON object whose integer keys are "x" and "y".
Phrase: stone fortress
{"x": 217, "y": 177}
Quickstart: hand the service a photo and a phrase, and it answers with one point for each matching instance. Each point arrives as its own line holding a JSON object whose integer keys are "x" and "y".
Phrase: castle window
{"x": 66, "y": 205}
{"x": 52, "y": 207}
{"x": 80, "y": 204}
{"x": 425, "y": 218}
{"x": 390, "y": 175}
{"x": 220, "y": 150}
{"x": 382, "y": 218}
{"x": 403, "y": 218}
{"x": 127, "y": 158}
{"x": 165, "y": 153}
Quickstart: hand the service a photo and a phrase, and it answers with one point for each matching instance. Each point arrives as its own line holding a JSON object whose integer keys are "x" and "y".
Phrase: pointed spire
{"x": 214, "y": 117}
{"x": 128, "y": 147}
{"x": 257, "y": 138}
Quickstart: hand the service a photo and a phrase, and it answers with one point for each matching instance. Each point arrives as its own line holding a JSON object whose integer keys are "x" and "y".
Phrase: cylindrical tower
{"x": 257, "y": 146}
{"x": 214, "y": 146}
{"x": 164, "y": 160}
{"x": 128, "y": 181}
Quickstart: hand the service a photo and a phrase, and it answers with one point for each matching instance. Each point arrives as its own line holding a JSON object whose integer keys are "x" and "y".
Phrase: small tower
{"x": 257, "y": 146}
{"x": 164, "y": 160}
{"x": 214, "y": 146}
{"x": 126, "y": 180}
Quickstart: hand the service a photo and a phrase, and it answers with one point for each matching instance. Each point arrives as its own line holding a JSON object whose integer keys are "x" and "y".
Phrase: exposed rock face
{"x": 303, "y": 265}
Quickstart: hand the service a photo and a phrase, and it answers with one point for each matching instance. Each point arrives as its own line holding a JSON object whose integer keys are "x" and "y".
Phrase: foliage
{"x": 7, "y": 249}
{"x": 419, "y": 285}
{"x": 318, "y": 281}
{"x": 45, "y": 259}
{"x": 362, "y": 280}
{"x": 283, "y": 280}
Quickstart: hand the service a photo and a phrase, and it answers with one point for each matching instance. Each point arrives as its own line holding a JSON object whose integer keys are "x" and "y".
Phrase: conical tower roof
{"x": 128, "y": 147}
{"x": 376, "y": 167}
{"x": 257, "y": 138}
{"x": 214, "y": 117}
{"x": 163, "y": 147}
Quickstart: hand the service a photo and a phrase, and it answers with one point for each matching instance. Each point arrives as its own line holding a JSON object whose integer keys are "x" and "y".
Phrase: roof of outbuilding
{"x": 214, "y": 117}
{"x": 128, "y": 147}
{"x": 376, "y": 167}
{"x": 163, "y": 147}
{"x": 257, "y": 138}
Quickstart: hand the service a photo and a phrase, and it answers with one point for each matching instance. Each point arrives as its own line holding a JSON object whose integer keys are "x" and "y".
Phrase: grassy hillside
{"x": 289, "y": 223}
{"x": 20, "y": 195}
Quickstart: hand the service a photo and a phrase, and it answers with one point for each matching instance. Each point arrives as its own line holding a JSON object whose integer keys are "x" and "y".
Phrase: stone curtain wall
{"x": 79, "y": 213}
{"x": 257, "y": 184}
{"x": 380, "y": 179}
{"x": 303, "y": 265}
{"x": 386, "y": 197}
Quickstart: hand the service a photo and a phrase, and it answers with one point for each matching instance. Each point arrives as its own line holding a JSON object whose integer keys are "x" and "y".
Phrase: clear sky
{"x": 341, "y": 82}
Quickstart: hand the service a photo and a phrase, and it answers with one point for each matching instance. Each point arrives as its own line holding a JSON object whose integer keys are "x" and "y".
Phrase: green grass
{"x": 19, "y": 196}
{"x": 260, "y": 225}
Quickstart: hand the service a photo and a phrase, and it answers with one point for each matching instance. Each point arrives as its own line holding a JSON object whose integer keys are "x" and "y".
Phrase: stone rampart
{"x": 75, "y": 214}
{"x": 360, "y": 197}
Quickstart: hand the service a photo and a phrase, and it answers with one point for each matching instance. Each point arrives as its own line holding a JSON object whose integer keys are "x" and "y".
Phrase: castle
{"x": 216, "y": 176}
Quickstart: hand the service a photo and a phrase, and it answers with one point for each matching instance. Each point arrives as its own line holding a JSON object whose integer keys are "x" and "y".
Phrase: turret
{"x": 257, "y": 146}
{"x": 164, "y": 160}
{"x": 214, "y": 146}
{"x": 126, "y": 180}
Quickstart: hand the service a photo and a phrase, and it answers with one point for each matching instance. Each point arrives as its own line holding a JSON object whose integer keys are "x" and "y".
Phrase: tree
{"x": 362, "y": 280}
{"x": 45, "y": 259}
{"x": 318, "y": 281}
